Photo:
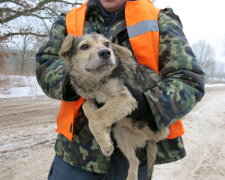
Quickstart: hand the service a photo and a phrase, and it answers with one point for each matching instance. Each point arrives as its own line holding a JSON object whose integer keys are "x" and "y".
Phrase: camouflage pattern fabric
{"x": 180, "y": 88}
{"x": 83, "y": 151}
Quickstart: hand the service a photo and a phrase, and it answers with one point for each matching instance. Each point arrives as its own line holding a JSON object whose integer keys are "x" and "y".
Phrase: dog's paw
{"x": 108, "y": 150}
{"x": 89, "y": 108}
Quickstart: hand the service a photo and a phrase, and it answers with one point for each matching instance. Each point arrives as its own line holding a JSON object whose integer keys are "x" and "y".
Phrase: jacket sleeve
{"x": 181, "y": 81}
{"x": 50, "y": 71}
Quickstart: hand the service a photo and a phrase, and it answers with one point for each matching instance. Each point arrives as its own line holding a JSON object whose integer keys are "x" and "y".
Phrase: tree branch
{"x": 43, "y": 20}
{"x": 40, "y": 17}
{"x": 5, "y": 36}
{"x": 39, "y": 6}
{"x": 26, "y": 11}
{"x": 51, "y": 10}
{"x": 14, "y": 2}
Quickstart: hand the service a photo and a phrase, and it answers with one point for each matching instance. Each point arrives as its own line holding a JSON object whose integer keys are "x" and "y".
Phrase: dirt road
{"x": 27, "y": 134}
{"x": 204, "y": 141}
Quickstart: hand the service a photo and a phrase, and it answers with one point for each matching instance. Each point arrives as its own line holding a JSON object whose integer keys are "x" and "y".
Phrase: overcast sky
{"x": 201, "y": 19}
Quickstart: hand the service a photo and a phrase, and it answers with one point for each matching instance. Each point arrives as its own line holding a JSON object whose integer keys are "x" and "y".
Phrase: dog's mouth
{"x": 100, "y": 68}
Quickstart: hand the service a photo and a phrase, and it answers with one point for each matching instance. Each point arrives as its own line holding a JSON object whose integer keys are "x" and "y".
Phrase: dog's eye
{"x": 107, "y": 44}
{"x": 84, "y": 47}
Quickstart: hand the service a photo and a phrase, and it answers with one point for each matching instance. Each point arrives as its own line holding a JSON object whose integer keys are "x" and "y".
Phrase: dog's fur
{"x": 99, "y": 71}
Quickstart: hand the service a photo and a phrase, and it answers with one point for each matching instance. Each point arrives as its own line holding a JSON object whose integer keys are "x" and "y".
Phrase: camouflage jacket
{"x": 180, "y": 88}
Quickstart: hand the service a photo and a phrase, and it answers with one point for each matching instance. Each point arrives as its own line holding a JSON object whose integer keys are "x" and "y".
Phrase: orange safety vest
{"x": 142, "y": 26}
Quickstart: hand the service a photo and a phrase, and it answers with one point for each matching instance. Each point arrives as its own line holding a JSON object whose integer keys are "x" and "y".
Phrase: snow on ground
{"x": 19, "y": 86}
{"x": 204, "y": 142}
{"x": 27, "y": 134}
{"x": 27, "y": 131}
{"x": 215, "y": 85}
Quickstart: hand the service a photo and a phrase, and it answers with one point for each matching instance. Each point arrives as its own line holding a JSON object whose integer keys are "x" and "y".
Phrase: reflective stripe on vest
{"x": 143, "y": 35}
{"x": 142, "y": 27}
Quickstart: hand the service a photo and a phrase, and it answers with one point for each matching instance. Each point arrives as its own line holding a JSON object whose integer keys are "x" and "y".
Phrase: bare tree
{"x": 206, "y": 58}
{"x": 220, "y": 72}
{"x": 22, "y": 22}
{"x": 41, "y": 13}
{"x": 2, "y": 60}
{"x": 8, "y": 57}
{"x": 26, "y": 49}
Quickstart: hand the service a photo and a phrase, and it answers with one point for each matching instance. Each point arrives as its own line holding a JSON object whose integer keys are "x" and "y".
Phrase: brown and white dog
{"x": 99, "y": 70}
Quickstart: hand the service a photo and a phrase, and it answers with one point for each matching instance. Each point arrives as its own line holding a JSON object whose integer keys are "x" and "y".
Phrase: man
{"x": 179, "y": 88}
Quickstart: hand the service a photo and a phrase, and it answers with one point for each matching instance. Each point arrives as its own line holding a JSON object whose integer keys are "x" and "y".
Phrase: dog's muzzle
{"x": 104, "y": 61}
{"x": 104, "y": 53}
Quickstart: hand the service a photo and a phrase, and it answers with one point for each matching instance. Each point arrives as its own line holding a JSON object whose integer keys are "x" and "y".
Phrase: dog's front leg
{"x": 89, "y": 108}
{"x": 98, "y": 128}
{"x": 116, "y": 108}
{"x": 101, "y": 120}
{"x": 119, "y": 102}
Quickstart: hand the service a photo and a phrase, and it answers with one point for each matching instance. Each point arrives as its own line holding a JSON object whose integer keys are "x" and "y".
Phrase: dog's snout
{"x": 104, "y": 53}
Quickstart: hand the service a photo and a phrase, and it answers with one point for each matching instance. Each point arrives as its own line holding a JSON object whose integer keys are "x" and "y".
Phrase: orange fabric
{"x": 68, "y": 110}
{"x": 141, "y": 53}
{"x": 145, "y": 47}
{"x": 176, "y": 130}
{"x": 75, "y": 20}
{"x": 66, "y": 117}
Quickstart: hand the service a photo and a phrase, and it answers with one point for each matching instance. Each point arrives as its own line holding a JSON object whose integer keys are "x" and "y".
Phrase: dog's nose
{"x": 104, "y": 53}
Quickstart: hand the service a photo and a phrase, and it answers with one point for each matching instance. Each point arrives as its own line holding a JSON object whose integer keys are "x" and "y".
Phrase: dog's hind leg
{"x": 151, "y": 149}
{"x": 128, "y": 151}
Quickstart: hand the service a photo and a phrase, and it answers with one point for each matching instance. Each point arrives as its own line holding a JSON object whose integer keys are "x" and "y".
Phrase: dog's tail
{"x": 151, "y": 156}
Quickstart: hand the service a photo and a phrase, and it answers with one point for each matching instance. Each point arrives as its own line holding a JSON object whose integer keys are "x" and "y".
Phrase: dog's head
{"x": 92, "y": 54}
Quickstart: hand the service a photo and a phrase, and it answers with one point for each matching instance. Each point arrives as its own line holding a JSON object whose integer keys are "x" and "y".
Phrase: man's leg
{"x": 60, "y": 170}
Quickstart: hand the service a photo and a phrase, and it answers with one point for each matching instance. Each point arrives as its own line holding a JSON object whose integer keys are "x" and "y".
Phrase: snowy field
{"x": 26, "y": 86}
{"x": 19, "y": 86}
{"x": 27, "y": 134}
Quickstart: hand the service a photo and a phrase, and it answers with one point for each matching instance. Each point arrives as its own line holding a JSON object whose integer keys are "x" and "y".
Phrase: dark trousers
{"x": 117, "y": 171}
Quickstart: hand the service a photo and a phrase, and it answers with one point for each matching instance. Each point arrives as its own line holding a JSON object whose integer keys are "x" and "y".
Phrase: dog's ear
{"x": 65, "y": 51}
{"x": 122, "y": 51}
